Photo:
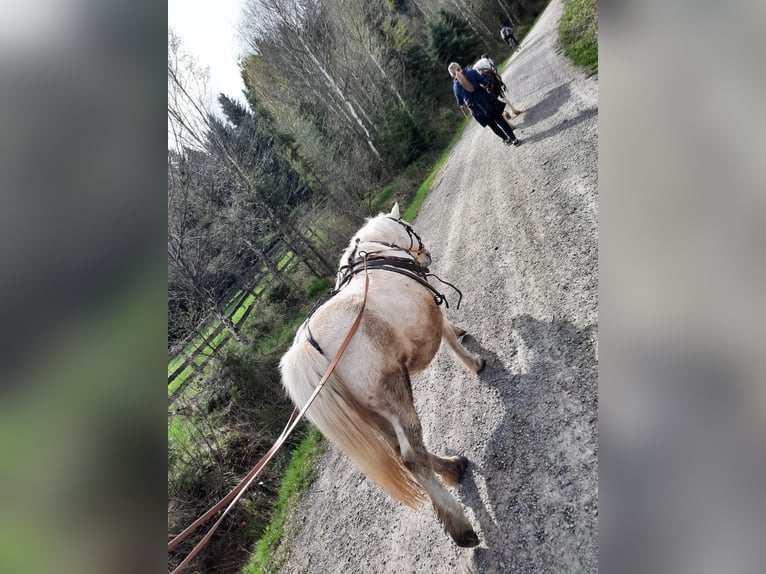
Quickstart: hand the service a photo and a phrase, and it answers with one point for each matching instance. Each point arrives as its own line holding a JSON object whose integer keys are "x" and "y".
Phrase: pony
{"x": 366, "y": 407}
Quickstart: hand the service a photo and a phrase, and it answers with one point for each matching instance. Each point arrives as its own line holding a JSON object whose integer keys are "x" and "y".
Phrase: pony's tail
{"x": 343, "y": 422}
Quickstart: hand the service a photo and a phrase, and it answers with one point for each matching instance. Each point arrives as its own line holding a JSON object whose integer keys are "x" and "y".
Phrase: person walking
{"x": 486, "y": 67}
{"x": 473, "y": 99}
{"x": 507, "y": 35}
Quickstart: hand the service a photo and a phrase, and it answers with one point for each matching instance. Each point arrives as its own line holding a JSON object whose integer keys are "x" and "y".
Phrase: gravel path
{"x": 516, "y": 230}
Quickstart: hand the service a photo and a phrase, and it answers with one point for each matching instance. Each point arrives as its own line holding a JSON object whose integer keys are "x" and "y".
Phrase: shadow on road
{"x": 546, "y": 108}
{"x": 540, "y": 464}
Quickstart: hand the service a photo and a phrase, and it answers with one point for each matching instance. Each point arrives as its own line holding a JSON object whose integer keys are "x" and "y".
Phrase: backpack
{"x": 486, "y": 67}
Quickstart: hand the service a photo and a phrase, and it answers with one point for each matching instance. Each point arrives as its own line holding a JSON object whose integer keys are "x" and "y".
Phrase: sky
{"x": 208, "y": 30}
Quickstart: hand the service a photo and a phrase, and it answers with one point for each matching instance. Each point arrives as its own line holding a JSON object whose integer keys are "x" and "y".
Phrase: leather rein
{"x": 233, "y": 497}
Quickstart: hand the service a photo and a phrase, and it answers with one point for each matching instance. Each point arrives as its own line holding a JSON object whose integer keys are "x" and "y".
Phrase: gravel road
{"x": 516, "y": 229}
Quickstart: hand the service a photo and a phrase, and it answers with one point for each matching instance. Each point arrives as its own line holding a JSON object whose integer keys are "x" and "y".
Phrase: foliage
{"x": 402, "y": 139}
{"x": 212, "y": 440}
{"x": 420, "y": 196}
{"x": 578, "y": 31}
{"x": 453, "y": 40}
{"x": 234, "y": 111}
{"x": 315, "y": 287}
{"x": 254, "y": 381}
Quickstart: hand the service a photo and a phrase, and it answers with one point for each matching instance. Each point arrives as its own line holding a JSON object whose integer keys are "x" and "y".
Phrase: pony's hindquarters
{"x": 345, "y": 423}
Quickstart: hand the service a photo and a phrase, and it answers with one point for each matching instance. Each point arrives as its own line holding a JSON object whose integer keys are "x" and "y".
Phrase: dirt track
{"x": 516, "y": 230}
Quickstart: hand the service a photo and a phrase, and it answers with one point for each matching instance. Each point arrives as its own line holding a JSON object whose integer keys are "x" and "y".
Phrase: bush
{"x": 578, "y": 32}
{"x": 315, "y": 287}
{"x": 254, "y": 382}
{"x": 401, "y": 140}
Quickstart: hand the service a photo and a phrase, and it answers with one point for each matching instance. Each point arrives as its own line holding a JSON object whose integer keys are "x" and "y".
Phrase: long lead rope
{"x": 240, "y": 489}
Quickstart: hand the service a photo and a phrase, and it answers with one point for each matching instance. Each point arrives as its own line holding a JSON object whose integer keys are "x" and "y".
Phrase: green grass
{"x": 179, "y": 430}
{"x": 175, "y": 362}
{"x": 384, "y": 197}
{"x": 191, "y": 347}
{"x": 578, "y": 31}
{"x": 241, "y": 310}
{"x": 178, "y": 381}
{"x": 404, "y": 186}
{"x": 267, "y": 557}
{"x": 233, "y": 302}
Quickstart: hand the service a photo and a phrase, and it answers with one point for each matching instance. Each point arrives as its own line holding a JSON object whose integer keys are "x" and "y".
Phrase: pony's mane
{"x": 378, "y": 228}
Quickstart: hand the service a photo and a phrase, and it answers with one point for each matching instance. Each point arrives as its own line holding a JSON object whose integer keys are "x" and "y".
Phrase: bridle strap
{"x": 240, "y": 489}
{"x": 411, "y": 232}
{"x": 410, "y": 251}
{"x": 396, "y": 247}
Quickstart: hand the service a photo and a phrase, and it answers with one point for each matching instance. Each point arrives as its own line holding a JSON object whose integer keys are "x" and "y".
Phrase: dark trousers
{"x": 498, "y": 125}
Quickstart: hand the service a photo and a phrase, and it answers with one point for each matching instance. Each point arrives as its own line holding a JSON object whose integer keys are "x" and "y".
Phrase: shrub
{"x": 315, "y": 286}
{"x": 578, "y": 31}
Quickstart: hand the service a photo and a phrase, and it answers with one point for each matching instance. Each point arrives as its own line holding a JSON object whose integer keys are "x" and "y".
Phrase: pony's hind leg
{"x": 459, "y": 331}
{"x": 450, "y": 333}
{"x": 396, "y": 397}
{"x": 451, "y": 469}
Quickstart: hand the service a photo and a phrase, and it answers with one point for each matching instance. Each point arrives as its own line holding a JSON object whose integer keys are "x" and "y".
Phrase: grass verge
{"x": 578, "y": 32}
{"x": 268, "y": 556}
{"x": 422, "y": 193}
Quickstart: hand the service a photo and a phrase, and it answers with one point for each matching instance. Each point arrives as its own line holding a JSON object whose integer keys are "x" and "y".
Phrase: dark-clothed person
{"x": 471, "y": 96}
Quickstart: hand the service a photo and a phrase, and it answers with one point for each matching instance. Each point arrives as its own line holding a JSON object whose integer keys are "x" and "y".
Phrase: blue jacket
{"x": 482, "y": 104}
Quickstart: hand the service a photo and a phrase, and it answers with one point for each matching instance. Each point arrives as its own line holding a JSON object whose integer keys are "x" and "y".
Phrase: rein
{"x": 245, "y": 483}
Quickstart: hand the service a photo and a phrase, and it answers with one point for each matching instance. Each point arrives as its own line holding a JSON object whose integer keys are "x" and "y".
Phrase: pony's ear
{"x": 395, "y": 211}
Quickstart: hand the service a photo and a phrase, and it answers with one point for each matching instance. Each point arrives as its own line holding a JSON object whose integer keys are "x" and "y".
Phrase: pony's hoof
{"x": 467, "y": 539}
{"x": 480, "y": 366}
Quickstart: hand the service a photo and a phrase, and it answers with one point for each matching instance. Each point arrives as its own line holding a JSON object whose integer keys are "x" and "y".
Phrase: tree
{"x": 203, "y": 258}
{"x": 453, "y": 40}
{"x": 208, "y": 190}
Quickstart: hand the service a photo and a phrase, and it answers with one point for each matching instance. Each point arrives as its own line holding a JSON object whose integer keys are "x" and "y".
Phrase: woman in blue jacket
{"x": 471, "y": 95}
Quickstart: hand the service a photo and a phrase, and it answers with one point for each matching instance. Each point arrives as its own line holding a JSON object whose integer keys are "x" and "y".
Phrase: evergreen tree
{"x": 453, "y": 40}
{"x": 235, "y": 112}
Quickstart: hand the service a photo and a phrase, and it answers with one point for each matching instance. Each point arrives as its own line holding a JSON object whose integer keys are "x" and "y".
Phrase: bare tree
{"x": 202, "y": 256}
{"x": 303, "y": 42}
